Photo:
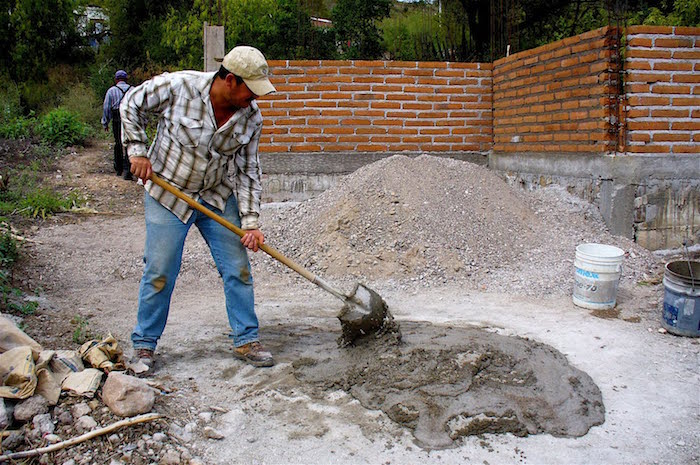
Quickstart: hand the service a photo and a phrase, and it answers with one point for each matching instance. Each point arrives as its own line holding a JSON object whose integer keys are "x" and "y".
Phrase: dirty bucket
{"x": 597, "y": 275}
{"x": 682, "y": 298}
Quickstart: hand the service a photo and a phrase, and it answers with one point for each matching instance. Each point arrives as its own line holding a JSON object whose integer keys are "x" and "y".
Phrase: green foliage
{"x": 17, "y": 127}
{"x": 682, "y": 13}
{"x": 10, "y": 105}
{"x": 8, "y": 249}
{"x": 37, "y": 34}
{"x": 419, "y": 32}
{"x": 101, "y": 78}
{"x": 62, "y": 128}
{"x": 43, "y": 202}
{"x": 355, "y": 24}
{"x": 81, "y": 333}
{"x": 9, "y": 295}
{"x": 136, "y": 28}
{"x": 81, "y": 101}
{"x": 22, "y": 192}
{"x": 281, "y": 29}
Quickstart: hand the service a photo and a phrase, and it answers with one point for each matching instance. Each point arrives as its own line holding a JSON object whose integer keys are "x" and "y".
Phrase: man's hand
{"x": 141, "y": 167}
{"x": 253, "y": 239}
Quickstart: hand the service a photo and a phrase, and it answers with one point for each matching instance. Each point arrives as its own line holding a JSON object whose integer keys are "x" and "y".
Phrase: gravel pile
{"x": 431, "y": 220}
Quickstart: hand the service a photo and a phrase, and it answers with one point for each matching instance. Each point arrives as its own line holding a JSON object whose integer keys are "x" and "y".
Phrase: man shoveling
{"x": 206, "y": 145}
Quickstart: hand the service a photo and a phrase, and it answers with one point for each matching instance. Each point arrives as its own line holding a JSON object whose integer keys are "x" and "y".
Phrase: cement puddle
{"x": 445, "y": 383}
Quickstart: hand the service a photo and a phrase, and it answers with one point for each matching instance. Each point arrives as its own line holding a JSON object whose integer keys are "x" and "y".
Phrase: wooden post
{"x": 213, "y": 46}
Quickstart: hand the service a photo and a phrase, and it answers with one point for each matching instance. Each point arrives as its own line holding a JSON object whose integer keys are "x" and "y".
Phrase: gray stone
{"x": 53, "y": 438}
{"x": 126, "y": 395}
{"x": 160, "y": 437}
{"x": 80, "y": 410}
{"x": 69, "y": 462}
{"x": 14, "y": 440}
{"x": 170, "y": 457}
{"x": 5, "y": 414}
{"x": 44, "y": 424}
{"x": 31, "y": 407}
{"x": 65, "y": 418}
{"x": 211, "y": 433}
{"x": 114, "y": 439}
{"x": 182, "y": 434}
{"x": 205, "y": 417}
{"x": 85, "y": 423}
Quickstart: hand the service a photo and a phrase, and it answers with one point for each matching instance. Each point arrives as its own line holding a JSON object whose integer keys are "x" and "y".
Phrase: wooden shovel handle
{"x": 272, "y": 252}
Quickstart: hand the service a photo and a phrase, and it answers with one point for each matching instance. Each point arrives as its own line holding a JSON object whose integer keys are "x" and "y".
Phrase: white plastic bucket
{"x": 597, "y": 270}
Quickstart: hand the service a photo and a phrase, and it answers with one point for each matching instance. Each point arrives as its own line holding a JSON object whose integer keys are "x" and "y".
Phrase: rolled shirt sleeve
{"x": 190, "y": 151}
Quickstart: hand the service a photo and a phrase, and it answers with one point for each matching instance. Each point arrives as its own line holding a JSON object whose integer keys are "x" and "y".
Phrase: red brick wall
{"x": 377, "y": 106}
{"x": 561, "y": 97}
{"x": 555, "y": 98}
{"x": 662, "y": 82}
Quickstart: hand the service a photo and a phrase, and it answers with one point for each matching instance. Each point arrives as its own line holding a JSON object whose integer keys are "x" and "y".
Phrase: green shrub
{"x": 18, "y": 127}
{"x": 43, "y": 202}
{"x": 82, "y": 101}
{"x": 43, "y": 94}
{"x": 10, "y": 106}
{"x": 62, "y": 128}
{"x": 8, "y": 250}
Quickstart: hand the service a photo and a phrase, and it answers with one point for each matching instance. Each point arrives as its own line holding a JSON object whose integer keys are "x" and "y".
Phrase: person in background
{"x": 110, "y": 111}
{"x": 206, "y": 145}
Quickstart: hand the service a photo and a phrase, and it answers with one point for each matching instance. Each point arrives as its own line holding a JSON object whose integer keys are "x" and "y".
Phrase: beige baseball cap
{"x": 249, "y": 64}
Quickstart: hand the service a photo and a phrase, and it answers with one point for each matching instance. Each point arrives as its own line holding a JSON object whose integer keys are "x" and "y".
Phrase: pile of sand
{"x": 402, "y": 216}
{"x": 432, "y": 220}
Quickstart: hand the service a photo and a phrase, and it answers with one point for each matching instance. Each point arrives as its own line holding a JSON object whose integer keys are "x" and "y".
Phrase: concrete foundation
{"x": 653, "y": 200}
{"x": 300, "y": 176}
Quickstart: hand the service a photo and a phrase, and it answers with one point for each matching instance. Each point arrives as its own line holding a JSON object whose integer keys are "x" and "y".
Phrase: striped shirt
{"x": 189, "y": 151}
{"x": 112, "y": 99}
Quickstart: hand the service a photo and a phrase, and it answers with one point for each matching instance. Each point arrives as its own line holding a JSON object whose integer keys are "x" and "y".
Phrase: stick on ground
{"x": 81, "y": 438}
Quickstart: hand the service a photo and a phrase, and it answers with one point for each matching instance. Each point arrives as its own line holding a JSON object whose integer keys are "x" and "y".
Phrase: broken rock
{"x": 35, "y": 405}
{"x": 85, "y": 423}
{"x": 126, "y": 395}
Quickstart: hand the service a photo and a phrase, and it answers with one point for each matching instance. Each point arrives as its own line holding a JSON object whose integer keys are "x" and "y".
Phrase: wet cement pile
{"x": 366, "y": 315}
{"x": 445, "y": 383}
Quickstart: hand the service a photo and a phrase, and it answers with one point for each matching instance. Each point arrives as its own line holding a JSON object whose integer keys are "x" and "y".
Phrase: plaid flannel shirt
{"x": 189, "y": 151}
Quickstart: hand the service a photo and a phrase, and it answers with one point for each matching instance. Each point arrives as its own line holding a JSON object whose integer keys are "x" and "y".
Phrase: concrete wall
{"x": 662, "y": 86}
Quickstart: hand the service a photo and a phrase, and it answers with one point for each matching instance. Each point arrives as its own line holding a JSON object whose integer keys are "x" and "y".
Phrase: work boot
{"x": 254, "y": 353}
{"x": 143, "y": 362}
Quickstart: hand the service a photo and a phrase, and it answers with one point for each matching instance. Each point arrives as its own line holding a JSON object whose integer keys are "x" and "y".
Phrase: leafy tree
{"x": 136, "y": 31}
{"x": 355, "y": 25}
{"x": 37, "y": 34}
{"x": 678, "y": 13}
{"x": 281, "y": 29}
{"x": 421, "y": 32}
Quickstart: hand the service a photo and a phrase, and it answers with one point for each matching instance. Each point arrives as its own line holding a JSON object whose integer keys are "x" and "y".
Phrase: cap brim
{"x": 260, "y": 87}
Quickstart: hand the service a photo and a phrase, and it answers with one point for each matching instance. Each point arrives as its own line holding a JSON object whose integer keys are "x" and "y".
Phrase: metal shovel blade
{"x": 366, "y": 314}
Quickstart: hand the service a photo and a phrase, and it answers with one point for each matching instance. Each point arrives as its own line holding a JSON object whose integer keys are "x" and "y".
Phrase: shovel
{"x": 364, "y": 311}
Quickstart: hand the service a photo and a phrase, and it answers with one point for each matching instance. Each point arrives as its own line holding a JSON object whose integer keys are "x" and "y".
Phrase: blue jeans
{"x": 165, "y": 239}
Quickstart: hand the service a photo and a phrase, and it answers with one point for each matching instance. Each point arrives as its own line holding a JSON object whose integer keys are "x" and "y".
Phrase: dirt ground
{"x": 315, "y": 406}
